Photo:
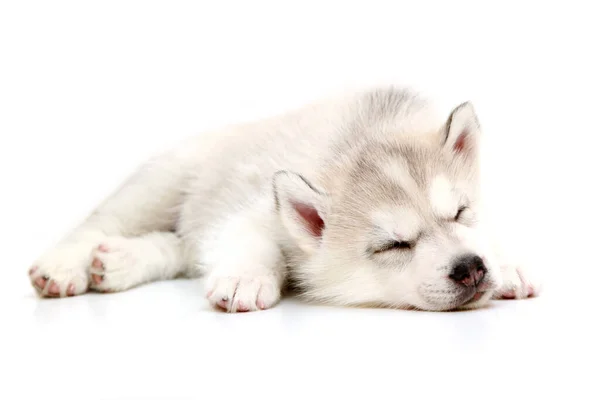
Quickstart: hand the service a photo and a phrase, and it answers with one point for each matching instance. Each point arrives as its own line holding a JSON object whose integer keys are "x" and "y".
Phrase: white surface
{"x": 87, "y": 91}
{"x": 161, "y": 341}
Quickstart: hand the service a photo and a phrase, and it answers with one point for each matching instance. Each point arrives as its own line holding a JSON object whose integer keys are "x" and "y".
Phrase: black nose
{"x": 468, "y": 270}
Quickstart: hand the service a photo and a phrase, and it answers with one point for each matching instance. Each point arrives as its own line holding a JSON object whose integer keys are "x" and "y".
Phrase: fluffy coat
{"x": 367, "y": 199}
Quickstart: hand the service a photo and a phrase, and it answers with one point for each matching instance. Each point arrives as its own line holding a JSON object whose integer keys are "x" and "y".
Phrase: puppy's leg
{"x": 246, "y": 264}
{"x": 146, "y": 202}
{"x": 120, "y": 263}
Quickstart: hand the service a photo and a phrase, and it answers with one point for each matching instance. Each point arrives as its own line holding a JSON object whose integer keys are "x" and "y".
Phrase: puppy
{"x": 367, "y": 199}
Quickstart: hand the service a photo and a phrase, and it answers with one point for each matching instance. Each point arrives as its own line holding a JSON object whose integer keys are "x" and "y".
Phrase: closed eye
{"x": 394, "y": 245}
{"x": 459, "y": 213}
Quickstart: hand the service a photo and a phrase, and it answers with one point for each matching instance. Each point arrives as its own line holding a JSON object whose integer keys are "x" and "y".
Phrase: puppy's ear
{"x": 462, "y": 132}
{"x": 302, "y": 208}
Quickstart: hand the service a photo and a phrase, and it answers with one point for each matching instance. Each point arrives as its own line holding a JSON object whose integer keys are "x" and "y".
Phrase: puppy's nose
{"x": 468, "y": 270}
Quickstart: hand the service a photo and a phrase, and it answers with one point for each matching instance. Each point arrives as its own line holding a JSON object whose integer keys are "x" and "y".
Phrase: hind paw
{"x": 48, "y": 287}
{"x": 62, "y": 271}
{"x": 114, "y": 265}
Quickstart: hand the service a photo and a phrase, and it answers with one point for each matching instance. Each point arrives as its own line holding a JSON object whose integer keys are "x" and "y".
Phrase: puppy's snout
{"x": 468, "y": 270}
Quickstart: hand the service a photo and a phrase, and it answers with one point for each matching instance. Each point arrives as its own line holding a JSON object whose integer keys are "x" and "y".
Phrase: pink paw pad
{"x": 511, "y": 294}
{"x": 97, "y": 275}
{"x": 40, "y": 282}
{"x": 530, "y": 291}
{"x": 223, "y": 303}
{"x": 53, "y": 290}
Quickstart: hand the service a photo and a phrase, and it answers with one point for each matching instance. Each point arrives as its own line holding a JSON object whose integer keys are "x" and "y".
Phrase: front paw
{"x": 243, "y": 293}
{"x": 517, "y": 283}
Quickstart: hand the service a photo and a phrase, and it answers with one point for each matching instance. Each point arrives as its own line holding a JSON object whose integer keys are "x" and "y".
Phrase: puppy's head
{"x": 400, "y": 226}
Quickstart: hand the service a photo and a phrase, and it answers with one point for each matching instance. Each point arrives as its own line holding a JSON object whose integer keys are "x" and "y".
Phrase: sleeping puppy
{"x": 367, "y": 199}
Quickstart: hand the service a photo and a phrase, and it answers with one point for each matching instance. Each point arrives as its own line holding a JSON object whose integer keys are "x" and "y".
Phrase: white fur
{"x": 398, "y": 223}
{"x": 248, "y": 264}
{"x": 396, "y": 169}
{"x": 374, "y": 166}
{"x": 128, "y": 262}
{"x": 442, "y": 197}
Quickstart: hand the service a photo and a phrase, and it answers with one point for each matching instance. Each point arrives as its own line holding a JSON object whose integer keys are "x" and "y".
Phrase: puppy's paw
{"x": 517, "y": 283}
{"x": 62, "y": 271}
{"x": 243, "y": 293}
{"x": 114, "y": 265}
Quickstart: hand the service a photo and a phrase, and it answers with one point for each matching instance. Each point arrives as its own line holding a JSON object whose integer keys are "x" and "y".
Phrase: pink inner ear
{"x": 461, "y": 142}
{"x": 311, "y": 218}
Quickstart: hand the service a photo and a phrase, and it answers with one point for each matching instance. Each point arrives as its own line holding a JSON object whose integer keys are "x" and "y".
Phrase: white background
{"x": 89, "y": 89}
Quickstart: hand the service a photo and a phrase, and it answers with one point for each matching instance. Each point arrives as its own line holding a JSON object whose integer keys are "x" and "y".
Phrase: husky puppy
{"x": 367, "y": 199}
